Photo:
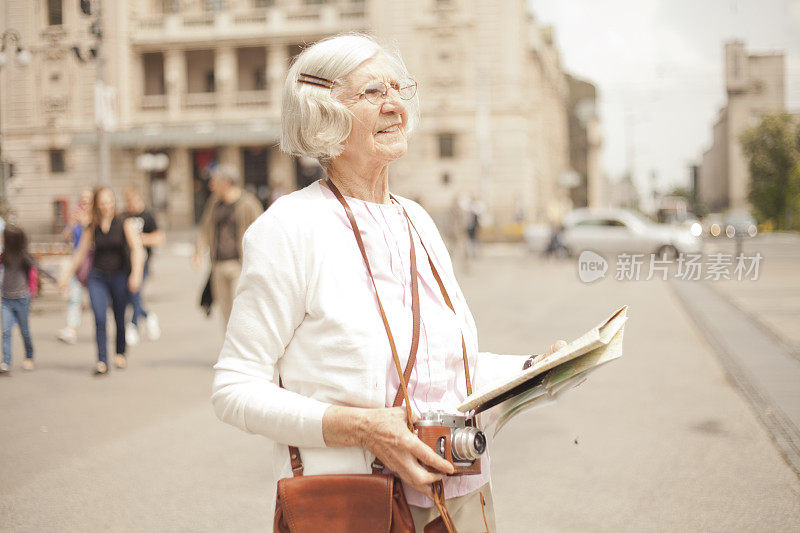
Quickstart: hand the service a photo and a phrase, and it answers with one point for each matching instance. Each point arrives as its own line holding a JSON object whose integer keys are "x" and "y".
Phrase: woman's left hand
{"x": 134, "y": 283}
{"x": 556, "y": 346}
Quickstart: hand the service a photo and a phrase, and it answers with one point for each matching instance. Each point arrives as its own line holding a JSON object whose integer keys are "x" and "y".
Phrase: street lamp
{"x": 23, "y": 58}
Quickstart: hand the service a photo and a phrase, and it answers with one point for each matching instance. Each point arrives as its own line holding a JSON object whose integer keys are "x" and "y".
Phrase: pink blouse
{"x": 433, "y": 384}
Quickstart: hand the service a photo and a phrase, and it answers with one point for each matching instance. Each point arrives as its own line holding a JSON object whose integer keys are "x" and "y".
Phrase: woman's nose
{"x": 393, "y": 103}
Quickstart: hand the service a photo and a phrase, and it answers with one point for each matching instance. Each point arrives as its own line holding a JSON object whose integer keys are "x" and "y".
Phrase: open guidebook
{"x": 553, "y": 375}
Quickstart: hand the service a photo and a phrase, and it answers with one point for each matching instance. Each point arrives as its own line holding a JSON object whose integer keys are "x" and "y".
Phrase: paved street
{"x": 662, "y": 439}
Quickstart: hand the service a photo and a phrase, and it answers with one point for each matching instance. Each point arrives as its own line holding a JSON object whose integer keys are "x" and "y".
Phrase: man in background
{"x": 151, "y": 237}
{"x": 228, "y": 213}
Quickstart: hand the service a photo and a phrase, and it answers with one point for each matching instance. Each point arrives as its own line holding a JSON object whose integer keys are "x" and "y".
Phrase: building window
{"x": 153, "y": 64}
{"x": 200, "y": 71}
{"x": 447, "y": 145}
{"x": 210, "y": 81}
{"x": 260, "y": 79}
{"x": 251, "y": 65}
{"x": 170, "y": 6}
{"x": 54, "y": 13}
{"x": 57, "y": 162}
{"x": 263, "y": 3}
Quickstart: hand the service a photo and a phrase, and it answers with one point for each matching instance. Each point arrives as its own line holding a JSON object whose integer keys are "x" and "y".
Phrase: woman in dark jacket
{"x": 116, "y": 271}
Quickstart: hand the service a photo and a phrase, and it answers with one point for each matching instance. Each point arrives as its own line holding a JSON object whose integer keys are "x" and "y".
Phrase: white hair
{"x": 314, "y": 123}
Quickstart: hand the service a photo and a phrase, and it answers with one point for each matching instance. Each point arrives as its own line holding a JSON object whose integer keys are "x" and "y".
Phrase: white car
{"x": 615, "y": 231}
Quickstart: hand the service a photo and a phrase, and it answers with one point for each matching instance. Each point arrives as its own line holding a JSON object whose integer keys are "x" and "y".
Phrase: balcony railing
{"x": 252, "y": 97}
{"x": 303, "y": 14}
{"x": 198, "y": 21}
{"x": 251, "y": 17}
{"x": 200, "y": 100}
{"x": 154, "y": 101}
{"x": 150, "y": 23}
{"x": 232, "y": 22}
{"x": 356, "y": 11}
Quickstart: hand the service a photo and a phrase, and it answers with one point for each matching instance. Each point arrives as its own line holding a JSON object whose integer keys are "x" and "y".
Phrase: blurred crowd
{"x": 111, "y": 264}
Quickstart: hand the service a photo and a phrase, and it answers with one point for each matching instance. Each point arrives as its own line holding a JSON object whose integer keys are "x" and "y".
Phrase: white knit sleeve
{"x": 269, "y": 305}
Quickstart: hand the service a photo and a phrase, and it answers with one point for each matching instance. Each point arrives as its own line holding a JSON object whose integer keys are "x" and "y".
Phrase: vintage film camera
{"x": 455, "y": 438}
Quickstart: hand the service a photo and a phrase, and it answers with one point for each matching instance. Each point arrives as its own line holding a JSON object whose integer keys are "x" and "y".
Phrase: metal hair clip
{"x": 315, "y": 80}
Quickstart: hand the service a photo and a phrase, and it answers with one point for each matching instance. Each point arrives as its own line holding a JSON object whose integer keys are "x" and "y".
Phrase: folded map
{"x": 554, "y": 374}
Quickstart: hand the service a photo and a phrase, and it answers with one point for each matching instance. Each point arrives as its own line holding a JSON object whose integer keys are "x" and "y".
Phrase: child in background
{"x": 16, "y": 300}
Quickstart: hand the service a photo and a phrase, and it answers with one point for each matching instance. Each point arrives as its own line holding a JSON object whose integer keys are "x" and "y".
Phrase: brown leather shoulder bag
{"x": 340, "y": 503}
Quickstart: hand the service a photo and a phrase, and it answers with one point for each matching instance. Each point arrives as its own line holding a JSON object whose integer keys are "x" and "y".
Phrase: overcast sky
{"x": 658, "y": 67}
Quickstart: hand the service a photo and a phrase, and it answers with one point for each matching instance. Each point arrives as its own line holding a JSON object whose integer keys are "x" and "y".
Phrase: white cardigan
{"x": 305, "y": 310}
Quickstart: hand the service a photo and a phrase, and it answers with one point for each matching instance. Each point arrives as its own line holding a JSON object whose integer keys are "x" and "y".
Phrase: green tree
{"x": 773, "y": 150}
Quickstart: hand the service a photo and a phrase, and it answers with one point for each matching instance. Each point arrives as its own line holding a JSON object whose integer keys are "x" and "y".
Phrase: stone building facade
{"x": 584, "y": 145}
{"x": 199, "y": 81}
{"x": 755, "y": 86}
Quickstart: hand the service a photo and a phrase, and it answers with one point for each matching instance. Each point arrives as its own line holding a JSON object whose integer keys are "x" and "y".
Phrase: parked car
{"x": 537, "y": 237}
{"x": 730, "y": 224}
{"x": 614, "y": 231}
{"x": 740, "y": 223}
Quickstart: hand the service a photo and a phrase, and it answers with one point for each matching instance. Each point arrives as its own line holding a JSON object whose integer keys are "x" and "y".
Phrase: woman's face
{"x": 105, "y": 203}
{"x": 378, "y": 133}
{"x": 85, "y": 199}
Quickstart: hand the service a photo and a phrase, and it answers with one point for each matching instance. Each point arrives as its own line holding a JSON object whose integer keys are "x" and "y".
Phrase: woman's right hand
{"x": 384, "y": 433}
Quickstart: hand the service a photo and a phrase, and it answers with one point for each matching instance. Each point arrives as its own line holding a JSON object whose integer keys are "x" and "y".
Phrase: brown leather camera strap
{"x": 404, "y": 375}
{"x": 412, "y": 356}
{"x": 447, "y": 301}
{"x": 402, "y": 393}
{"x": 438, "y": 486}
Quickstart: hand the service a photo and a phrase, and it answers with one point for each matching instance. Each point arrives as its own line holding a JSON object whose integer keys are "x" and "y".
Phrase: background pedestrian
{"x": 228, "y": 213}
{"x": 151, "y": 236}
{"x": 17, "y": 264}
{"x": 116, "y": 270}
{"x": 80, "y": 220}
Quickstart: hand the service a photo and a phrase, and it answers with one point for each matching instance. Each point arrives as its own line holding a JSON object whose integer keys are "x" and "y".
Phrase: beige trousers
{"x": 224, "y": 277}
{"x": 466, "y": 511}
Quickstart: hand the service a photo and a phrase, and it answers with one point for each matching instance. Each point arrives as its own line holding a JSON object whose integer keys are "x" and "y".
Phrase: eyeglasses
{"x": 375, "y": 93}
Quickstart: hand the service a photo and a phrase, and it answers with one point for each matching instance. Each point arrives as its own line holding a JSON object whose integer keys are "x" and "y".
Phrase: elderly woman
{"x": 306, "y": 360}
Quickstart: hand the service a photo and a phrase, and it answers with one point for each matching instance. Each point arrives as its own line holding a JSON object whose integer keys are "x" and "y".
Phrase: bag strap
{"x": 437, "y": 487}
{"x": 447, "y": 301}
{"x": 438, "y": 499}
{"x": 414, "y": 303}
{"x": 402, "y": 392}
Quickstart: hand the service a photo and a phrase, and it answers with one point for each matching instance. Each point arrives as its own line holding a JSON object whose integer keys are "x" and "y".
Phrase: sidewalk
{"x": 773, "y": 302}
{"x": 754, "y": 326}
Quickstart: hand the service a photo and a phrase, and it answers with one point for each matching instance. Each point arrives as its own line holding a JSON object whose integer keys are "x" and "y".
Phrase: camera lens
{"x": 479, "y": 443}
{"x": 468, "y": 444}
